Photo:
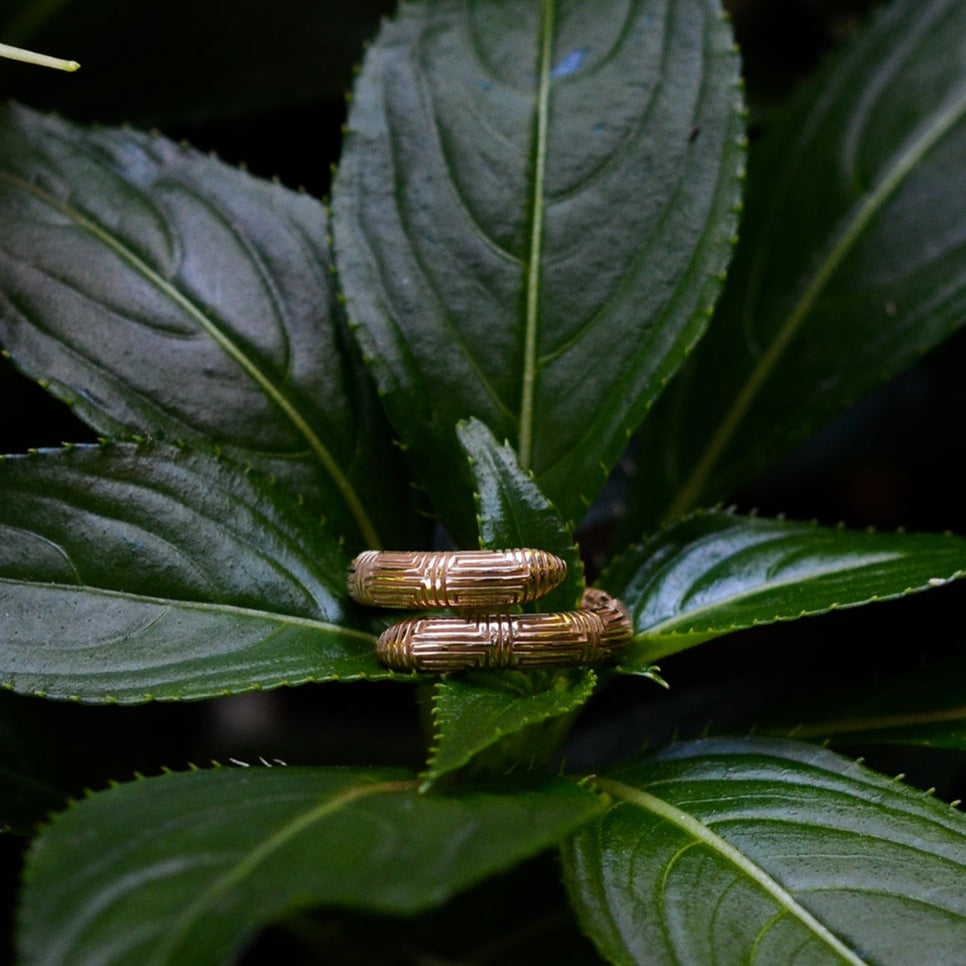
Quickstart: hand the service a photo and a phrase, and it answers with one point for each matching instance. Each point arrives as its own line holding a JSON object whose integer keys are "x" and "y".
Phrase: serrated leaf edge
{"x": 429, "y": 775}
{"x": 222, "y": 339}
{"x": 853, "y": 224}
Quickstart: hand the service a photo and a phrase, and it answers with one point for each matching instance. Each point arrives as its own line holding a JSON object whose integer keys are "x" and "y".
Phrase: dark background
{"x": 264, "y": 85}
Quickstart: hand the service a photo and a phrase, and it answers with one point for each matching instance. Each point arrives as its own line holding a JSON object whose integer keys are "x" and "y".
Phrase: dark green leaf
{"x": 184, "y": 868}
{"x": 852, "y": 260}
{"x": 131, "y": 573}
{"x": 512, "y": 709}
{"x": 535, "y": 205}
{"x": 159, "y": 291}
{"x": 526, "y": 714}
{"x": 512, "y": 512}
{"x": 772, "y": 852}
{"x": 717, "y": 572}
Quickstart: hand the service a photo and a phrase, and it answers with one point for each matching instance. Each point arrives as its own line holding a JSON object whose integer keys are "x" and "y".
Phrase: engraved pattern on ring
{"x": 451, "y": 643}
{"x": 460, "y": 579}
{"x": 617, "y": 620}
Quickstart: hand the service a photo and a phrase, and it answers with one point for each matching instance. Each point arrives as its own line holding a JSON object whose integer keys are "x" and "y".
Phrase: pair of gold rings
{"x": 483, "y": 583}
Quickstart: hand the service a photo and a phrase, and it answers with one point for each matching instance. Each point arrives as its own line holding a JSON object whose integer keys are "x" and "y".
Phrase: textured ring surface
{"x": 461, "y": 579}
{"x": 442, "y": 644}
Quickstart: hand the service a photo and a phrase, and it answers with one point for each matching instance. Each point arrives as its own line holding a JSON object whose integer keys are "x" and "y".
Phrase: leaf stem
{"x": 41, "y": 60}
{"x": 525, "y": 443}
{"x": 844, "y": 726}
{"x": 862, "y": 215}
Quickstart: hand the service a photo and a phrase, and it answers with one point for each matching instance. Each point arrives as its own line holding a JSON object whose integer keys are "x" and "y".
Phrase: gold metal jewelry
{"x": 442, "y": 644}
{"x": 461, "y": 579}
{"x": 615, "y": 616}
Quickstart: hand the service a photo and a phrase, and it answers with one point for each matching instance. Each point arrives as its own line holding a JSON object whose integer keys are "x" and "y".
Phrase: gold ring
{"x": 461, "y": 579}
{"x": 442, "y": 644}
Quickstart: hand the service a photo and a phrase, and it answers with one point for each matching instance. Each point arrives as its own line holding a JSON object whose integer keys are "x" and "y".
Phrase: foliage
{"x": 531, "y": 222}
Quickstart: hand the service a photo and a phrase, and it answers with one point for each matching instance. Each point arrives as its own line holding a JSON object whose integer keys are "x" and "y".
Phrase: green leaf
{"x": 159, "y": 291}
{"x": 517, "y": 715}
{"x": 852, "y": 260}
{"x": 768, "y": 851}
{"x": 716, "y": 572}
{"x": 129, "y": 573}
{"x": 512, "y": 512}
{"x": 186, "y": 867}
{"x": 534, "y": 209}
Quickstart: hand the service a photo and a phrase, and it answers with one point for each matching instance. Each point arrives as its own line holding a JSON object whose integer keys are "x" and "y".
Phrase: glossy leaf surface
{"x": 128, "y": 573}
{"x": 522, "y": 711}
{"x": 184, "y": 868}
{"x": 768, "y": 851}
{"x": 717, "y": 572}
{"x": 534, "y": 207}
{"x": 852, "y": 261}
{"x": 161, "y": 292}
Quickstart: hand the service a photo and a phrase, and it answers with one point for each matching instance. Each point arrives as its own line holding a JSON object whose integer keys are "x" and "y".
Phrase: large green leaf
{"x": 184, "y": 868}
{"x": 772, "y": 852}
{"x": 159, "y": 291}
{"x": 717, "y": 572}
{"x": 129, "y": 573}
{"x": 852, "y": 260}
{"x": 534, "y": 208}
{"x": 521, "y": 712}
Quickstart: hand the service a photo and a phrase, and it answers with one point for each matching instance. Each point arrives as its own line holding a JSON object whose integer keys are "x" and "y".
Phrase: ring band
{"x": 461, "y": 579}
{"x": 442, "y": 644}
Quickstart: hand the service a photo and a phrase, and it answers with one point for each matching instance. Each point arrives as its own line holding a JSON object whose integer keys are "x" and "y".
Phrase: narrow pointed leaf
{"x": 184, "y": 868}
{"x": 131, "y": 573}
{"x": 522, "y": 712}
{"x": 512, "y": 512}
{"x": 852, "y": 261}
{"x": 717, "y": 572}
{"x": 534, "y": 207}
{"x": 768, "y": 851}
{"x": 161, "y": 292}
{"x": 518, "y": 717}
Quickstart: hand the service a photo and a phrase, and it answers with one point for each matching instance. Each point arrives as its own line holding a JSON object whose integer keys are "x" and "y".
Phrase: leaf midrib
{"x": 852, "y": 228}
{"x": 535, "y": 254}
{"x": 182, "y": 927}
{"x": 703, "y": 835}
{"x": 232, "y": 610}
{"x": 231, "y": 348}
